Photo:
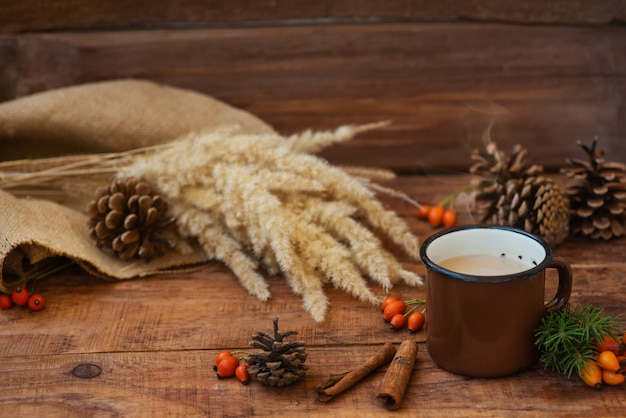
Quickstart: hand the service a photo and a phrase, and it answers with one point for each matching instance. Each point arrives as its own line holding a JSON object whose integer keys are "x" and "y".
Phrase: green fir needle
{"x": 565, "y": 338}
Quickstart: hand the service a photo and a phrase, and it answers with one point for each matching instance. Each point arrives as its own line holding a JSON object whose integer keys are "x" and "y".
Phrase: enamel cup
{"x": 481, "y": 323}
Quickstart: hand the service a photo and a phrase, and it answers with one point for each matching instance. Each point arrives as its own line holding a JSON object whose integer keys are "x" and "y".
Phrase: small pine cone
{"x": 281, "y": 363}
{"x": 129, "y": 218}
{"x": 597, "y": 191}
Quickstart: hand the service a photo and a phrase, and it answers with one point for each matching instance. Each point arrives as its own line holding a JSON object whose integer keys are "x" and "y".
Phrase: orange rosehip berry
{"x": 435, "y": 216}
{"x": 19, "y": 296}
{"x": 387, "y": 301}
{"x": 35, "y": 302}
{"x": 5, "y": 302}
{"x": 397, "y": 321}
{"x": 607, "y": 343}
{"x": 611, "y": 378}
{"x": 415, "y": 321}
{"x": 221, "y": 356}
{"x": 423, "y": 211}
{"x": 227, "y": 367}
{"x": 608, "y": 361}
{"x": 449, "y": 218}
{"x": 241, "y": 372}
{"x": 394, "y": 308}
{"x": 591, "y": 374}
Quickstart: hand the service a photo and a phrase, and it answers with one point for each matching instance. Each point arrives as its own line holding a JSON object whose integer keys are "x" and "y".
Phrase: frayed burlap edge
{"x": 39, "y": 229}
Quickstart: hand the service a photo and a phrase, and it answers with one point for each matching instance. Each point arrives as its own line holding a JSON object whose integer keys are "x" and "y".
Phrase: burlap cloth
{"x": 93, "y": 118}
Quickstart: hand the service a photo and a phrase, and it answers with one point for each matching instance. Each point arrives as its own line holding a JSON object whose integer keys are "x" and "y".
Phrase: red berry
{"x": 435, "y": 216}
{"x": 613, "y": 379}
{"x": 387, "y": 301}
{"x": 415, "y": 321}
{"x": 608, "y": 361}
{"x": 5, "y": 302}
{"x": 242, "y": 373}
{"x": 227, "y": 367}
{"x": 35, "y": 302}
{"x": 20, "y": 296}
{"x": 423, "y": 211}
{"x": 395, "y": 307}
{"x": 397, "y": 321}
{"x": 449, "y": 218}
{"x": 221, "y": 356}
{"x": 608, "y": 343}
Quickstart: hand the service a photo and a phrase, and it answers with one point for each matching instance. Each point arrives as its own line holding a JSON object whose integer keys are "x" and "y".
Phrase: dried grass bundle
{"x": 262, "y": 201}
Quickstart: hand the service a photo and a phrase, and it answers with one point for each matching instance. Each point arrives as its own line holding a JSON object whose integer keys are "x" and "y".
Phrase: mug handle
{"x": 565, "y": 284}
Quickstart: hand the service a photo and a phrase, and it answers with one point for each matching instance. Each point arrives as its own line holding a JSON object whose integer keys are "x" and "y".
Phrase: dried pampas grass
{"x": 266, "y": 202}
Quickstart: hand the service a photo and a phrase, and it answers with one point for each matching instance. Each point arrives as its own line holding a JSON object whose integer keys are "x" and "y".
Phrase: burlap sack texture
{"x": 91, "y": 118}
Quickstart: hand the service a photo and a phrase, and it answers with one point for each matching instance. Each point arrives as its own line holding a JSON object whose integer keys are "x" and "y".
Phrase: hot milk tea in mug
{"x": 485, "y": 297}
{"x": 483, "y": 265}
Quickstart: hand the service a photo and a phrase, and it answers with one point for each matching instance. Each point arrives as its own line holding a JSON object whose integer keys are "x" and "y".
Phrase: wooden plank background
{"x": 441, "y": 73}
{"x": 34, "y": 15}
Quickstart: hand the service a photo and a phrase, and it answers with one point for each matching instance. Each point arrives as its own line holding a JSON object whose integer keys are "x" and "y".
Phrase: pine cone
{"x": 536, "y": 205}
{"x": 597, "y": 193}
{"x": 128, "y": 218}
{"x": 493, "y": 169}
{"x": 494, "y": 166}
{"x": 281, "y": 363}
{"x": 509, "y": 192}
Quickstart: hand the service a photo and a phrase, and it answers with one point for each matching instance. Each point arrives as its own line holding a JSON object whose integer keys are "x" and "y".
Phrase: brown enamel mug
{"x": 485, "y": 298}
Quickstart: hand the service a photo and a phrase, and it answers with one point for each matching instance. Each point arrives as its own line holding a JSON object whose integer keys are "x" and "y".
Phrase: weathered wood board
{"x": 442, "y": 85}
{"x": 153, "y": 342}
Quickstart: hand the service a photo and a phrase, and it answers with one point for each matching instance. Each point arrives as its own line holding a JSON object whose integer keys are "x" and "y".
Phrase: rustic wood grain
{"x": 441, "y": 84}
{"x": 151, "y": 343}
{"x": 31, "y": 15}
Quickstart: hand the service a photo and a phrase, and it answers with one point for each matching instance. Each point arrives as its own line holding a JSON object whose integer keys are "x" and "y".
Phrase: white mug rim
{"x": 532, "y": 271}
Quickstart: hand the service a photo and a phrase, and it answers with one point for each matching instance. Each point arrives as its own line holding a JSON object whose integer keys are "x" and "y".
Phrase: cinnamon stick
{"x": 398, "y": 374}
{"x": 339, "y": 383}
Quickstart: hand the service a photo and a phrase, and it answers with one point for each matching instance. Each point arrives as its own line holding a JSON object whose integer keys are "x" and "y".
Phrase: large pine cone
{"x": 493, "y": 166}
{"x": 495, "y": 174}
{"x": 597, "y": 193}
{"x": 130, "y": 219}
{"x": 510, "y": 192}
{"x": 536, "y": 205}
{"x": 281, "y": 363}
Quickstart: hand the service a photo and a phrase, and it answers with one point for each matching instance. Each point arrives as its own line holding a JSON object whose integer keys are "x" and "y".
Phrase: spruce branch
{"x": 565, "y": 338}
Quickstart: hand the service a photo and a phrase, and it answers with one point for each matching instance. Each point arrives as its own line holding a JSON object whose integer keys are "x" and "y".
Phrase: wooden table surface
{"x": 150, "y": 344}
